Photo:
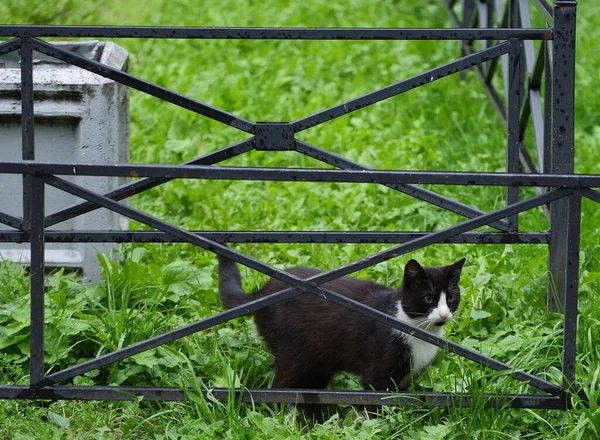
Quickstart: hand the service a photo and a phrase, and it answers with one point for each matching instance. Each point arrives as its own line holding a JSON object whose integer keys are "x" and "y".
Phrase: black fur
{"x": 312, "y": 338}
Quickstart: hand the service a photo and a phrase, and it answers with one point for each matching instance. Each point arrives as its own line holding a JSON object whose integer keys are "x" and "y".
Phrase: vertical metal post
{"x": 28, "y": 149}
{"x": 573, "y": 222}
{"x": 486, "y": 20}
{"x": 505, "y": 22}
{"x": 36, "y": 369}
{"x": 547, "y": 163}
{"x": 515, "y": 92}
{"x": 562, "y": 145}
{"x": 469, "y": 11}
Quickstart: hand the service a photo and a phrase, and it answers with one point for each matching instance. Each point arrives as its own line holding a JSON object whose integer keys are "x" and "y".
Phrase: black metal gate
{"x": 556, "y": 185}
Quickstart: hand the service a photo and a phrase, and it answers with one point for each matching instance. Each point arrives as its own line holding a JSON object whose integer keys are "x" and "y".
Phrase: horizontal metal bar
{"x": 273, "y": 33}
{"x": 276, "y": 237}
{"x": 411, "y": 190}
{"x": 301, "y": 174}
{"x": 259, "y": 395}
{"x": 401, "y": 87}
{"x": 9, "y": 46}
{"x": 11, "y": 220}
{"x": 145, "y": 184}
{"x": 145, "y": 86}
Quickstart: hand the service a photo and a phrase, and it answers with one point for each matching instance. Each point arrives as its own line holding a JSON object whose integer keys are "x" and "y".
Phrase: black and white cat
{"x": 312, "y": 338}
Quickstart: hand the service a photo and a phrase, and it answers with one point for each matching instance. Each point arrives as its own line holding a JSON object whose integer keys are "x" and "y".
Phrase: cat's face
{"x": 430, "y": 295}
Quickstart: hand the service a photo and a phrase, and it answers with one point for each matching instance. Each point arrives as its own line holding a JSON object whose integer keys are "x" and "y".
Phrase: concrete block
{"x": 79, "y": 117}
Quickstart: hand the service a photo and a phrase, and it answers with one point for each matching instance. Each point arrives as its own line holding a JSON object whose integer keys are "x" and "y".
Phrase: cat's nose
{"x": 444, "y": 314}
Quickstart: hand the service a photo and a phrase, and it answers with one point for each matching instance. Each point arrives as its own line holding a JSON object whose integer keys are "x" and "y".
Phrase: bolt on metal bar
{"x": 145, "y": 86}
{"x": 573, "y": 223}
{"x": 133, "y": 188}
{"x": 411, "y": 190}
{"x": 400, "y": 87}
{"x": 272, "y": 33}
{"x": 302, "y": 174}
{"x": 27, "y": 127}
{"x": 92, "y": 236}
{"x": 306, "y": 285}
{"x": 36, "y": 357}
{"x": 297, "y": 396}
{"x": 9, "y": 46}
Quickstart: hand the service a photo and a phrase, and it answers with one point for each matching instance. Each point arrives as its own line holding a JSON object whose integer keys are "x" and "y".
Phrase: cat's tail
{"x": 230, "y": 284}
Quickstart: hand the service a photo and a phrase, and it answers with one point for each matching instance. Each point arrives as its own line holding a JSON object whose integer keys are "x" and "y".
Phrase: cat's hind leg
{"x": 288, "y": 377}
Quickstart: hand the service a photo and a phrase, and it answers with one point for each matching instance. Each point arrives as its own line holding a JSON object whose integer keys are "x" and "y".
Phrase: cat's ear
{"x": 455, "y": 269}
{"x": 413, "y": 270}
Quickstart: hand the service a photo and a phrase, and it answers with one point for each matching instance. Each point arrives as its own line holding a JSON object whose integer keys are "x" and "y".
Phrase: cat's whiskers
{"x": 424, "y": 322}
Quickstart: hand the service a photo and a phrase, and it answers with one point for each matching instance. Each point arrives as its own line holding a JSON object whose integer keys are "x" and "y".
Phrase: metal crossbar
{"x": 524, "y": 74}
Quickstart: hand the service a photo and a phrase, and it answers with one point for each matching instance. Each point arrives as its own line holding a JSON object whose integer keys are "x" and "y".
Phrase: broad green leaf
{"x": 480, "y": 314}
{"x": 59, "y": 420}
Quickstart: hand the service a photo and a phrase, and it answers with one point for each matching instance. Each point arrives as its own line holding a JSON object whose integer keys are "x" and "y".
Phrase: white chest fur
{"x": 422, "y": 353}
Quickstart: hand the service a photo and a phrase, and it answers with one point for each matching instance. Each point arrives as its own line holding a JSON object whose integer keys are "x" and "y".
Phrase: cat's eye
{"x": 450, "y": 298}
{"x": 429, "y": 299}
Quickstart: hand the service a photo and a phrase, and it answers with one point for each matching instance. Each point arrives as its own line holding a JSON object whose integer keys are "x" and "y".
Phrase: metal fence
{"x": 511, "y": 44}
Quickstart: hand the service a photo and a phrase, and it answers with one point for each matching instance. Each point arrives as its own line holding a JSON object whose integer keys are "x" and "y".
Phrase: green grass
{"x": 150, "y": 289}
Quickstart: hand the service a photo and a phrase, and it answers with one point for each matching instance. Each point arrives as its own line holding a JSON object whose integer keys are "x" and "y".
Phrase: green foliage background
{"x": 150, "y": 289}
